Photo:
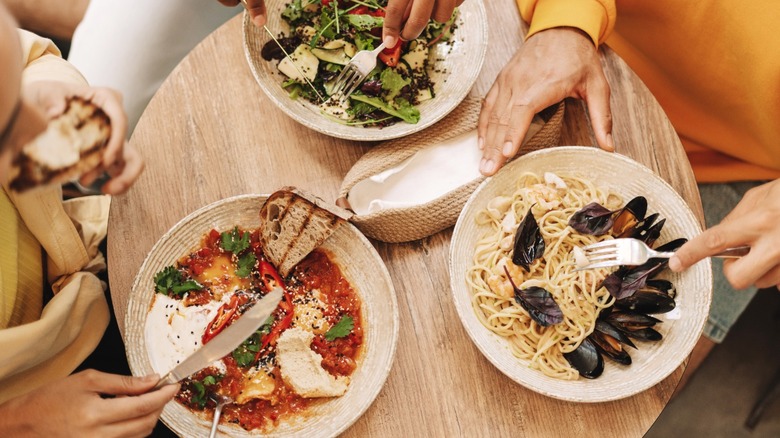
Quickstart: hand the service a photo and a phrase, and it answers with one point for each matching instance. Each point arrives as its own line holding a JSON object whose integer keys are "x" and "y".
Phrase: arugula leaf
{"x": 392, "y": 82}
{"x": 364, "y": 23}
{"x": 170, "y": 280}
{"x": 234, "y": 241}
{"x": 245, "y": 353}
{"x": 341, "y": 329}
{"x": 404, "y": 110}
{"x": 245, "y": 264}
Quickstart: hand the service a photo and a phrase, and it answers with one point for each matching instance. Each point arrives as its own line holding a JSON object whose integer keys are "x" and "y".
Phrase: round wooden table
{"x": 210, "y": 133}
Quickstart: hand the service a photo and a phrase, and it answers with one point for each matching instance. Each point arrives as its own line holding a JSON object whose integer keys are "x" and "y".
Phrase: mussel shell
{"x": 645, "y": 334}
{"x": 662, "y": 285}
{"x": 632, "y": 214}
{"x": 650, "y": 235}
{"x": 610, "y": 347}
{"x": 629, "y": 321}
{"x": 610, "y": 330}
{"x": 625, "y": 281}
{"x": 586, "y": 359}
{"x": 647, "y": 300}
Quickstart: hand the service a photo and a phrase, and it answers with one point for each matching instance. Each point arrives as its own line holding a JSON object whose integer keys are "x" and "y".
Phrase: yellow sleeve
{"x": 43, "y": 61}
{"x": 594, "y": 17}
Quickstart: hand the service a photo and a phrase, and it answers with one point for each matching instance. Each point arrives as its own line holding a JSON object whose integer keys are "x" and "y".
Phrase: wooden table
{"x": 210, "y": 133}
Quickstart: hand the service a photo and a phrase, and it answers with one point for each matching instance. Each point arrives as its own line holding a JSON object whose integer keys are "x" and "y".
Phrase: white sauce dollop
{"x": 174, "y": 331}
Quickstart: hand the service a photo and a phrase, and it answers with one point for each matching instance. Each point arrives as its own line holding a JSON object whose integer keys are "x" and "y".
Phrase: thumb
{"x": 597, "y": 99}
{"x": 115, "y": 384}
{"x": 256, "y": 9}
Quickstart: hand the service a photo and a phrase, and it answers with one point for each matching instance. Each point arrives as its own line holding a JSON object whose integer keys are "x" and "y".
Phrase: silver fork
{"x": 618, "y": 252}
{"x": 356, "y": 71}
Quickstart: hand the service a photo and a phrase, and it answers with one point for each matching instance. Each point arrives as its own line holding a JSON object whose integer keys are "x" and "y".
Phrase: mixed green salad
{"x": 325, "y": 34}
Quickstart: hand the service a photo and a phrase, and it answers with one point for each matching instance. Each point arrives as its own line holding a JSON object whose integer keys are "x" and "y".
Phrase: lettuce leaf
{"x": 402, "y": 108}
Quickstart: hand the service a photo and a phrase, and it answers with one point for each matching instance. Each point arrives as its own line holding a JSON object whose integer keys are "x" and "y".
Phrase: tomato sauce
{"x": 316, "y": 279}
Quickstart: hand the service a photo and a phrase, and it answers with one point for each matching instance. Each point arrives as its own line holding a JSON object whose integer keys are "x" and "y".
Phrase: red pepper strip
{"x": 267, "y": 270}
{"x": 224, "y": 314}
{"x": 390, "y": 56}
{"x": 379, "y": 12}
{"x": 360, "y": 10}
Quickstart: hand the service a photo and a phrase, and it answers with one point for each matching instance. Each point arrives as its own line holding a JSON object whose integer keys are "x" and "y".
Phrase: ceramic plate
{"x": 360, "y": 264}
{"x": 455, "y": 73}
{"x": 652, "y": 361}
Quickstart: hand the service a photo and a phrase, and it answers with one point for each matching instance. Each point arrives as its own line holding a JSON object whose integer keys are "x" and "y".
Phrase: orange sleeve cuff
{"x": 594, "y": 17}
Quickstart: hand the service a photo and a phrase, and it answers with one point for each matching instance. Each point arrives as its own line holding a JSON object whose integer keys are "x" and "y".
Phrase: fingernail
{"x": 481, "y": 143}
{"x": 508, "y": 149}
{"x": 675, "y": 264}
{"x": 610, "y": 143}
{"x": 259, "y": 20}
{"x": 487, "y": 166}
{"x": 390, "y": 41}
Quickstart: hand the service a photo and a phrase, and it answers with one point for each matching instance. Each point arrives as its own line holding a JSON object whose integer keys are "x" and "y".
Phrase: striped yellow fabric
{"x": 21, "y": 269}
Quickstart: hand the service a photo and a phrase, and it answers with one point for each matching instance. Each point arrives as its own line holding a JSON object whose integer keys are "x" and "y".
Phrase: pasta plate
{"x": 652, "y": 361}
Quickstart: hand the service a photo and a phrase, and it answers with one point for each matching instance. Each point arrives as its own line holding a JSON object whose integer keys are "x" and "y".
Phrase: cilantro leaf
{"x": 245, "y": 353}
{"x": 245, "y": 264}
{"x": 234, "y": 241}
{"x": 341, "y": 329}
{"x": 403, "y": 110}
{"x": 171, "y": 282}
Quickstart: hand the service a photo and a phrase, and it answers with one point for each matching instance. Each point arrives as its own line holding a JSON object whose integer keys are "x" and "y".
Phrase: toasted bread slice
{"x": 72, "y": 145}
{"x": 293, "y": 224}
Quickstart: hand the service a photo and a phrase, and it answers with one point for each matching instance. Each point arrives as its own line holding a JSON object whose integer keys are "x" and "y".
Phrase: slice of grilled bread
{"x": 293, "y": 224}
{"x": 72, "y": 145}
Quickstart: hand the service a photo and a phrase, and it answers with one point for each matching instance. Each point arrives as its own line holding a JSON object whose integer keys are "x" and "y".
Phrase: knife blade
{"x": 226, "y": 341}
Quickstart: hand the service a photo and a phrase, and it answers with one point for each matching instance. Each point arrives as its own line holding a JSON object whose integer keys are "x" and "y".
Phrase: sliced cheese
{"x": 301, "y": 368}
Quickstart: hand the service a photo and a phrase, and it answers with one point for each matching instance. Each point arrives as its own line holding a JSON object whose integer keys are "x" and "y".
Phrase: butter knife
{"x": 226, "y": 341}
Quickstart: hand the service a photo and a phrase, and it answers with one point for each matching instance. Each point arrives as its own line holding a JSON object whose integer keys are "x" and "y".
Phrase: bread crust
{"x": 81, "y": 134}
{"x": 293, "y": 223}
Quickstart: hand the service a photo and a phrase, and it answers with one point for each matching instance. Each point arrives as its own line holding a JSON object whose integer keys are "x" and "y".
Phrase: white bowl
{"x": 652, "y": 361}
{"x": 360, "y": 264}
{"x": 456, "y": 71}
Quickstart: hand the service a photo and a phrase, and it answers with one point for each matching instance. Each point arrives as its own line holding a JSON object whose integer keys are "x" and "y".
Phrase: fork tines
{"x": 348, "y": 80}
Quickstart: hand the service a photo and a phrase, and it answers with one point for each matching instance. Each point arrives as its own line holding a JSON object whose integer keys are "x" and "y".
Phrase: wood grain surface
{"x": 210, "y": 133}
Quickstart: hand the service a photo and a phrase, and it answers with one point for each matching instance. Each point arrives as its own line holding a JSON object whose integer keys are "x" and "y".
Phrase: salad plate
{"x": 455, "y": 54}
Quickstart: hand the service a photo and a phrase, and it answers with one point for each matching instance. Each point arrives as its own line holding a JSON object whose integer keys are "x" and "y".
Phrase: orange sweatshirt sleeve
{"x": 594, "y": 17}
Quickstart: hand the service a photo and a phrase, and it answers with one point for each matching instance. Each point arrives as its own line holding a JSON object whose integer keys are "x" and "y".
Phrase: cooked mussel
{"x": 656, "y": 296}
{"x": 625, "y": 281}
{"x": 634, "y": 325}
{"x": 629, "y": 217}
{"x": 586, "y": 359}
{"x": 610, "y": 347}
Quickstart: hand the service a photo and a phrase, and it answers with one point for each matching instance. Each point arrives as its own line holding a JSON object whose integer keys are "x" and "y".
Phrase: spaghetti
{"x": 552, "y": 200}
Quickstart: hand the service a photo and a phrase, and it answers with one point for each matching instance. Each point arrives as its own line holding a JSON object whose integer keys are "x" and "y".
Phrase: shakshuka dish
{"x": 305, "y": 351}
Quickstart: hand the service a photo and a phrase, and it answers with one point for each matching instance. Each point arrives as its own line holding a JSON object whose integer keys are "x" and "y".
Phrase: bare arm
{"x": 54, "y": 18}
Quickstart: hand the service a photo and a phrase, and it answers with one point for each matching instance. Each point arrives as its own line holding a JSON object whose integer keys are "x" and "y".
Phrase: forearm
{"x": 54, "y": 18}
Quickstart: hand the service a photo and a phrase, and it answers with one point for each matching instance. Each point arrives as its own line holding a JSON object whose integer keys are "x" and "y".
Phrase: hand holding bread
{"x": 85, "y": 138}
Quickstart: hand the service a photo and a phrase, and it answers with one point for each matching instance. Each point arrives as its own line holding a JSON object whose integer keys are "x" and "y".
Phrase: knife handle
{"x": 168, "y": 379}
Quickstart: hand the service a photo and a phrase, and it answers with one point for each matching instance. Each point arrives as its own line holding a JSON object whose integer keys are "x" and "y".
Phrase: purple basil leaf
{"x": 538, "y": 302}
{"x": 529, "y": 244}
{"x": 627, "y": 280}
{"x": 593, "y": 219}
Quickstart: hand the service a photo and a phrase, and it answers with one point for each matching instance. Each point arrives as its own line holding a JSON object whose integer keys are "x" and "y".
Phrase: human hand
{"x": 550, "y": 66}
{"x": 256, "y": 9}
{"x": 121, "y": 161}
{"x": 753, "y": 223}
{"x": 88, "y": 404}
{"x": 407, "y": 18}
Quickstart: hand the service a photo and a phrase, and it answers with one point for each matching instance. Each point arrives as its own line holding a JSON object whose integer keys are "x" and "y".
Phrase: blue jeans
{"x": 727, "y": 303}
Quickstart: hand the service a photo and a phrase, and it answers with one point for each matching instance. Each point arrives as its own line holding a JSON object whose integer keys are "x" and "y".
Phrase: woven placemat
{"x": 412, "y": 223}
